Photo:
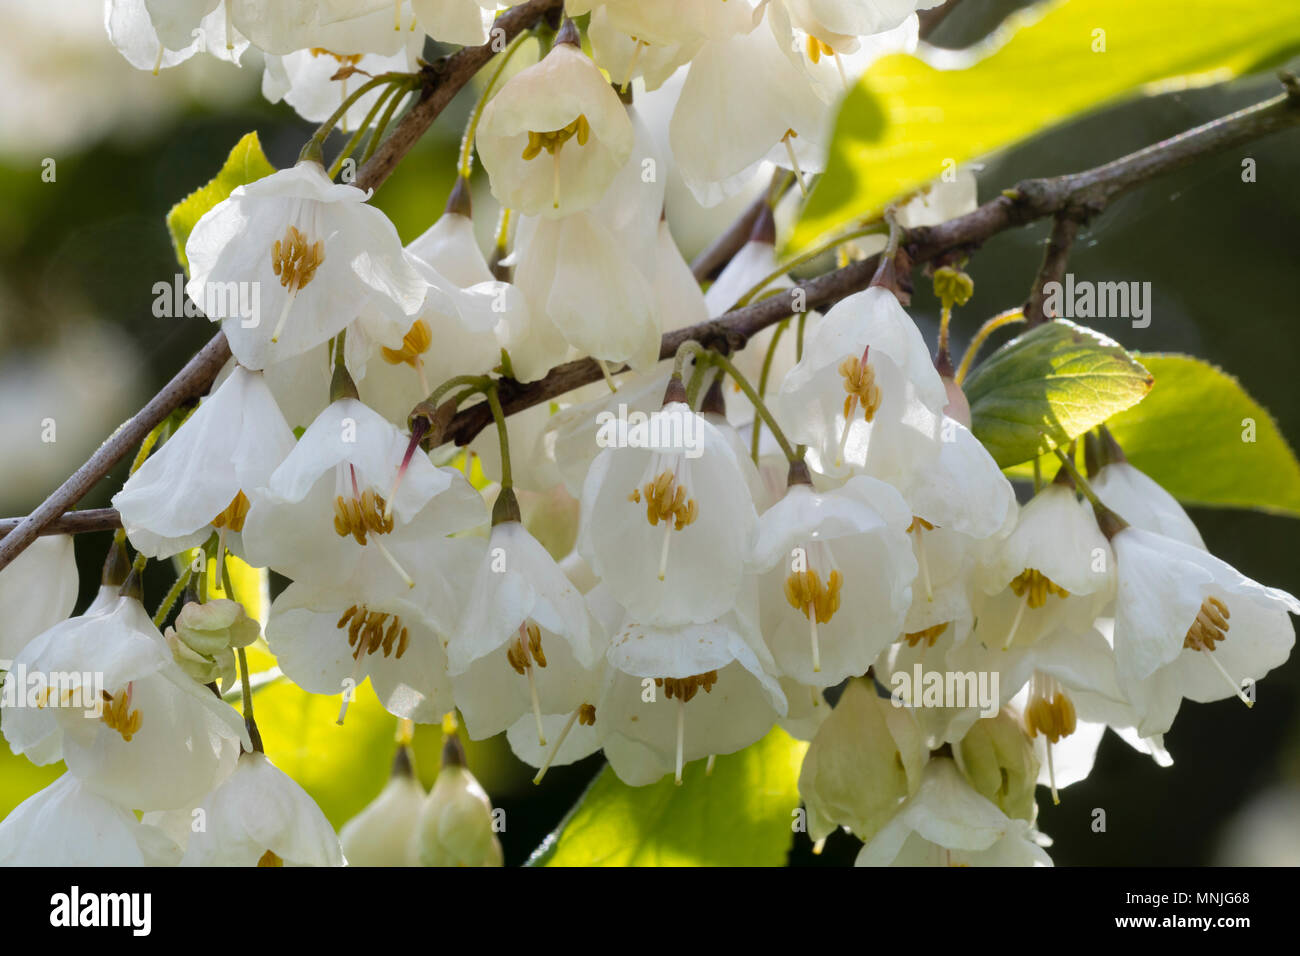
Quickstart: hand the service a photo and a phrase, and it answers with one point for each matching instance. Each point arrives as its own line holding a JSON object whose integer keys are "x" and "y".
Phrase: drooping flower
{"x": 346, "y": 492}
{"x": 204, "y": 475}
{"x": 1190, "y": 625}
{"x": 666, "y": 522}
{"x": 69, "y": 824}
{"x": 837, "y": 572}
{"x": 866, "y": 394}
{"x": 260, "y": 817}
{"x": 157, "y": 34}
{"x": 288, "y": 261}
{"x": 123, "y": 715}
{"x": 674, "y": 694}
{"x": 555, "y": 135}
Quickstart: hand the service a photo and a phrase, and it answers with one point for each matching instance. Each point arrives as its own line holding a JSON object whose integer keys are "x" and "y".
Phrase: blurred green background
{"x": 78, "y": 342}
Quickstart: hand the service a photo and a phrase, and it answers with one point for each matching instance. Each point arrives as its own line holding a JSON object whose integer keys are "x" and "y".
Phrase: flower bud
{"x": 999, "y": 761}
{"x": 204, "y": 634}
{"x": 865, "y": 760}
{"x": 455, "y": 824}
{"x": 381, "y": 834}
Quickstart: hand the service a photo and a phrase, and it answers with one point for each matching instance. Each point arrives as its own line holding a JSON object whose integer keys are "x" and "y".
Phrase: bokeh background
{"x": 79, "y": 343}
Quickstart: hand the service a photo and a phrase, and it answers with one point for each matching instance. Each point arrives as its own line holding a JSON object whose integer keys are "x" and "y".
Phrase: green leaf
{"x": 739, "y": 816}
{"x": 245, "y": 164}
{"x": 1190, "y": 435}
{"x": 905, "y": 122}
{"x": 1048, "y": 386}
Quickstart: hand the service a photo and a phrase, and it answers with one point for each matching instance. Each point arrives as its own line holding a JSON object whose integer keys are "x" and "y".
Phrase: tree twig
{"x": 1065, "y": 227}
{"x": 1087, "y": 192}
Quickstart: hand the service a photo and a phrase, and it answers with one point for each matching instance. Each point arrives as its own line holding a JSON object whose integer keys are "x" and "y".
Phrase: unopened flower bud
{"x": 998, "y": 760}
{"x": 381, "y": 834}
{"x": 205, "y": 634}
{"x": 455, "y": 824}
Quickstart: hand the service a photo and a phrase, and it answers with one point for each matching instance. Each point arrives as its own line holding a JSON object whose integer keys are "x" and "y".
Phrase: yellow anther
{"x": 684, "y": 688}
{"x": 806, "y": 593}
{"x": 860, "y": 384}
{"x": 234, "y": 515}
{"x": 816, "y": 49}
{"x": 117, "y": 713}
{"x": 361, "y": 516}
{"x": 552, "y": 141}
{"x": 414, "y": 344}
{"x": 1210, "y": 626}
{"x": 1052, "y": 717}
{"x": 587, "y": 715}
{"x": 295, "y": 260}
{"x": 929, "y": 635}
{"x": 666, "y": 500}
{"x": 371, "y": 631}
{"x": 919, "y": 524}
{"x": 523, "y": 654}
{"x": 1037, "y": 586}
{"x": 344, "y": 59}
{"x": 270, "y": 859}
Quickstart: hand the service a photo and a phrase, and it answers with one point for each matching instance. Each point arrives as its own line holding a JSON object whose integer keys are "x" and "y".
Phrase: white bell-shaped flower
{"x": 203, "y": 476}
{"x": 260, "y": 817}
{"x": 837, "y": 572}
{"x": 555, "y": 135}
{"x": 524, "y": 641}
{"x": 1055, "y": 567}
{"x": 305, "y": 79}
{"x": 352, "y": 484}
{"x": 288, "y": 261}
{"x": 329, "y": 635}
{"x": 48, "y": 567}
{"x": 68, "y": 824}
{"x": 1192, "y": 621}
{"x": 677, "y": 694}
{"x": 666, "y": 521}
{"x": 120, "y": 711}
{"x": 866, "y": 394}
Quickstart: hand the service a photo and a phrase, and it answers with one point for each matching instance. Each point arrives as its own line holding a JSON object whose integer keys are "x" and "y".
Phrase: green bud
{"x": 455, "y": 825}
{"x": 998, "y": 759}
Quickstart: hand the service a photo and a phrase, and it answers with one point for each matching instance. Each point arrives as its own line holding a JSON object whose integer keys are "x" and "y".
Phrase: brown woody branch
{"x": 1085, "y": 194}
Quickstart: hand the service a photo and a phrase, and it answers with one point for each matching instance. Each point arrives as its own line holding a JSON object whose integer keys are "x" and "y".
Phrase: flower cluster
{"x": 664, "y": 593}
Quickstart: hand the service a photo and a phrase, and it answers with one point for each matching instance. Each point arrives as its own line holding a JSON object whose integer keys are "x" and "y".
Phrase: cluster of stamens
{"x": 552, "y": 141}
{"x": 587, "y": 715}
{"x": 1210, "y": 626}
{"x": 522, "y": 653}
{"x": 414, "y": 344}
{"x": 234, "y": 514}
{"x": 684, "y": 688}
{"x": 806, "y": 593}
{"x": 270, "y": 859}
{"x": 860, "y": 384}
{"x": 666, "y": 501}
{"x": 1037, "y": 586}
{"x": 360, "y": 516}
{"x": 370, "y": 631}
{"x": 344, "y": 59}
{"x": 816, "y": 49}
{"x": 295, "y": 260}
{"x": 929, "y": 635}
{"x": 117, "y": 713}
{"x": 1050, "y": 712}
